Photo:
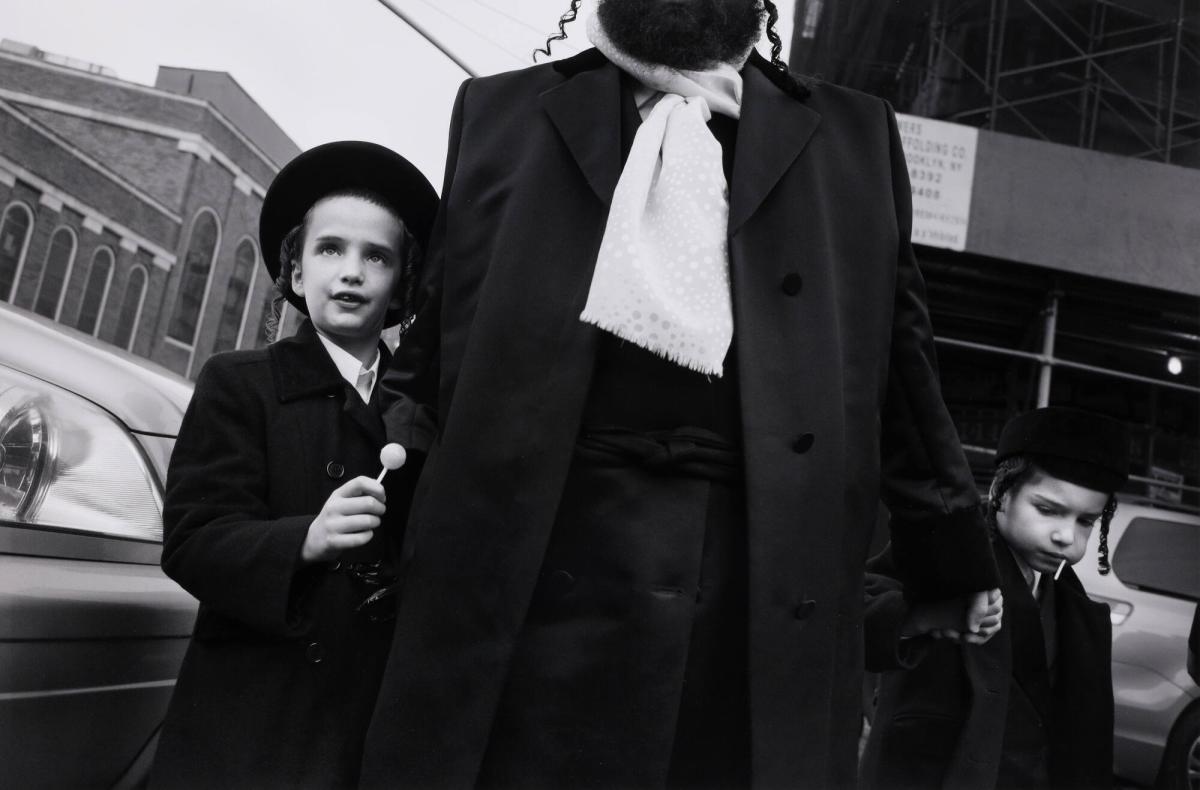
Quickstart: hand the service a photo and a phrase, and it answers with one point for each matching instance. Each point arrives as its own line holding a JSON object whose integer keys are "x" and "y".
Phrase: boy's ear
{"x": 297, "y": 279}
{"x": 1001, "y": 514}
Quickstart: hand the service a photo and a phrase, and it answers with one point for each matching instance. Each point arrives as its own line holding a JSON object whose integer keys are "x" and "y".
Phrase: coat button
{"x": 805, "y": 609}
{"x": 803, "y": 443}
{"x": 335, "y": 470}
{"x": 792, "y": 283}
{"x": 315, "y": 653}
{"x": 558, "y": 584}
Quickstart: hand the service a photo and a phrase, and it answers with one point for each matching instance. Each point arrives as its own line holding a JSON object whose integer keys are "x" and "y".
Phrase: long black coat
{"x": 840, "y": 402}
{"x": 945, "y": 721}
{"x": 279, "y": 680}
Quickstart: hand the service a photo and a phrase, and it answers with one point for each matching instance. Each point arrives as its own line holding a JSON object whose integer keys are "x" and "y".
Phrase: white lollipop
{"x": 392, "y": 456}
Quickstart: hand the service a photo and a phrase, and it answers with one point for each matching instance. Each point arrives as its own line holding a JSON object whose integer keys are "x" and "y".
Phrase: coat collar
{"x": 774, "y": 128}
{"x": 302, "y": 369}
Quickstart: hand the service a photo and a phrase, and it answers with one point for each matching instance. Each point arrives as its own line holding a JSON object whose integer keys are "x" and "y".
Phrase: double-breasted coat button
{"x": 792, "y": 283}
{"x": 315, "y": 653}
{"x": 335, "y": 470}
{"x": 805, "y": 609}
{"x": 803, "y": 443}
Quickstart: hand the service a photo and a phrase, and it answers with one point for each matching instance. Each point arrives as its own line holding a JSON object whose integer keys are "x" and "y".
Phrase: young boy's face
{"x": 1047, "y": 520}
{"x": 348, "y": 268}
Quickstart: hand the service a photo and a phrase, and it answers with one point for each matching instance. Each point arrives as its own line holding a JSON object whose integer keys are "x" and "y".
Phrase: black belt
{"x": 689, "y": 452}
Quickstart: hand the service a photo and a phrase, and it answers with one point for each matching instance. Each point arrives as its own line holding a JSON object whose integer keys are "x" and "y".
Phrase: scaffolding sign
{"x": 941, "y": 171}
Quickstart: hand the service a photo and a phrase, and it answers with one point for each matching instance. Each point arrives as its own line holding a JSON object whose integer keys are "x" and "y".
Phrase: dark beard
{"x": 692, "y": 34}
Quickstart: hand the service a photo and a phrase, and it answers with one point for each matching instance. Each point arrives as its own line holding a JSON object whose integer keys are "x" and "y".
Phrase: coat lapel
{"x": 773, "y": 130}
{"x": 303, "y": 369}
{"x": 1081, "y": 737}
{"x": 583, "y": 109}
{"x": 1024, "y": 624}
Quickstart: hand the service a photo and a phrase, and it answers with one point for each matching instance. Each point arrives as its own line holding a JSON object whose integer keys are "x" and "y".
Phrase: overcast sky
{"x": 323, "y": 69}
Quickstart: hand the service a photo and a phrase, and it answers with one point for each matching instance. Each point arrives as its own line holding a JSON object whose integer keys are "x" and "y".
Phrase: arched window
{"x": 14, "y": 238}
{"x": 55, "y": 272}
{"x": 233, "y": 312}
{"x": 193, "y": 282}
{"x": 131, "y": 307}
{"x": 95, "y": 292}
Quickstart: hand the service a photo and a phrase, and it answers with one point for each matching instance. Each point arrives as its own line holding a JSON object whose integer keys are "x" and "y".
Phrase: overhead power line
{"x": 408, "y": 20}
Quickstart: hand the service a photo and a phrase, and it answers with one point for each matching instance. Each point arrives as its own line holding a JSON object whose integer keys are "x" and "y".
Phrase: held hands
{"x": 972, "y": 620}
{"x": 348, "y": 519}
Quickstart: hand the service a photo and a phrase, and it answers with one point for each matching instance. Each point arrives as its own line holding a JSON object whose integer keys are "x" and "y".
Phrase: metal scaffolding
{"x": 1115, "y": 75}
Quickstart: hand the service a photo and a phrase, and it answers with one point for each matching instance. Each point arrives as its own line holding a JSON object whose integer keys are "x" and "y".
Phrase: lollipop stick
{"x": 1061, "y": 563}
{"x": 384, "y": 471}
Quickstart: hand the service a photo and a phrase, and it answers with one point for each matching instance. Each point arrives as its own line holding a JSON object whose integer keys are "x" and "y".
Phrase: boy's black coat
{"x": 942, "y": 723}
{"x": 280, "y": 678}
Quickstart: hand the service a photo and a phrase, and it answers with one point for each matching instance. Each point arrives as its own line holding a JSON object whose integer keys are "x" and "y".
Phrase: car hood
{"x": 144, "y": 396}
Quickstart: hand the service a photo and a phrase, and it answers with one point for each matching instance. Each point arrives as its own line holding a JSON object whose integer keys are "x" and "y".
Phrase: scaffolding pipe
{"x": 1049, "y": 329}
{"x": 1174, "y": 81}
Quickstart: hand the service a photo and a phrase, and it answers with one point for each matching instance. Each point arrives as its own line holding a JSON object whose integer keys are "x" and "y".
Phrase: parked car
{"x": 91, "y": 632}
{"x": 1152, "y": 591}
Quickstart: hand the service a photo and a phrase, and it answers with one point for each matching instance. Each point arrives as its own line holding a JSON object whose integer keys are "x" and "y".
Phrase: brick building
{"x": 130, "y": 212}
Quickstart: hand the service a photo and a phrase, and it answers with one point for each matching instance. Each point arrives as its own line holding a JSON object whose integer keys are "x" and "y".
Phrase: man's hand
{"x": 348, "y": 519}
{"x": 972, "y": 620}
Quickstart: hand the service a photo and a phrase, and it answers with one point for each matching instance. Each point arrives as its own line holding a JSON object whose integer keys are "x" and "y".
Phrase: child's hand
{"x": 972, "y": 620}
{"x": 348, "y": 519}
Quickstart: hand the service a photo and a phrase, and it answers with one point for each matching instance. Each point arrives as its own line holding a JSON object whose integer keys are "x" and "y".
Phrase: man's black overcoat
{"x": 840, "y": 404}
{"x": 279, "y": 680}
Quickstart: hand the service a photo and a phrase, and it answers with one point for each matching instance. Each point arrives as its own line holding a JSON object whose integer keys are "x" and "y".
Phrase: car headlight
{"x": 66, "y": 464}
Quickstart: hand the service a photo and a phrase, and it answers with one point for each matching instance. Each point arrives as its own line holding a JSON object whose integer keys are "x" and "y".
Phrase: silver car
{"x": 91, "y": 632}
{"x": 1152, "y": 590}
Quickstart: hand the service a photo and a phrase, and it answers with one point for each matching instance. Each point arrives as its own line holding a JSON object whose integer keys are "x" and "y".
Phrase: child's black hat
{"x": 1084, "y": 448}
{"x": 334, "y": 167}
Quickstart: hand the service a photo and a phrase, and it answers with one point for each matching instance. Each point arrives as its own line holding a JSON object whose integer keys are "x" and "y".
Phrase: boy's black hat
{"x": 333, "y": 167}
{"x": 1084, "y": 448}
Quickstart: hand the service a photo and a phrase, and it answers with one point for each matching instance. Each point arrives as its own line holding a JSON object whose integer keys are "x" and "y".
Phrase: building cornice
{"x": 187, "y": 141}
{"x": 92, "y": 217}
{"x": 150, "y": 91}
{"x": 62, "y": 142}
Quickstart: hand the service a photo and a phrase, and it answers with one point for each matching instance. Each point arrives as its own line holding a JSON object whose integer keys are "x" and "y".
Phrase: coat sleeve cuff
{"x": 944, "y": 556}
{"x": 886, "y": 649}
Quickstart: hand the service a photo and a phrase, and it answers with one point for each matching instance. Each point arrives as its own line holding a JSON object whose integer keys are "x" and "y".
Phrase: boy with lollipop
{"x": 272, "y": 503}
{"x": 1032, "y": 707}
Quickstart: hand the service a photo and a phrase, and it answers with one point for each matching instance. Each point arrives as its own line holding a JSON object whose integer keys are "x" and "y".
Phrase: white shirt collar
{"x": 350, "y": 368}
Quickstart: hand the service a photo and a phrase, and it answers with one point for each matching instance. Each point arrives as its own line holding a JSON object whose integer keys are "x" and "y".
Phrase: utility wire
{"x": 425, "y": 34}
{"x": 407, "y": 18}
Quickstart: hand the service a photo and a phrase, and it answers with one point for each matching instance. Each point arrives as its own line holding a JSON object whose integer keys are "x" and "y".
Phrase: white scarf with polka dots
{"x": 662, "y": 275}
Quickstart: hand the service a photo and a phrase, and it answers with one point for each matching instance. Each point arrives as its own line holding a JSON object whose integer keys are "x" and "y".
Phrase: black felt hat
{"x": 1084, "y": 448}
{"x": 333, "y": 167}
